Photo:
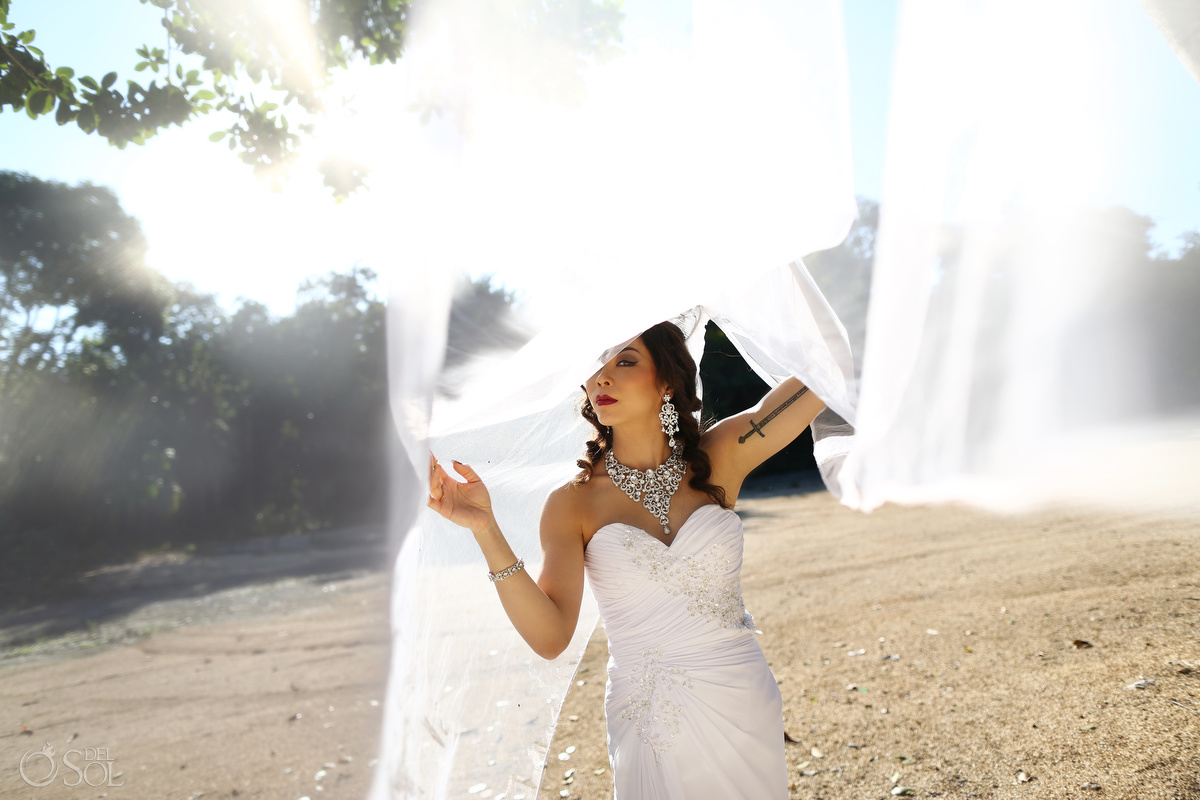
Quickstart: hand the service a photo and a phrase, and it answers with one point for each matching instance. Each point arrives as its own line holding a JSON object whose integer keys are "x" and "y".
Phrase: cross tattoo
{"x": 756, "y": 427}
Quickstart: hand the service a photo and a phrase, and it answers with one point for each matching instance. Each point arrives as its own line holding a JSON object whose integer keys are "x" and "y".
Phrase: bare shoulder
{"x": 564, "y": 511}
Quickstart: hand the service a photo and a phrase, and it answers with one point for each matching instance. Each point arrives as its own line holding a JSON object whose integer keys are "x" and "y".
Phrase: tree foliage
{"x": 218, "y": 51}
{"x": 136, "y": 412}
{"x": 70, "y": 260}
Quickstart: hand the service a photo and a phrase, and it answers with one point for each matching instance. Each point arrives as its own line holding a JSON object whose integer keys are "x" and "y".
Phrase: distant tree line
{"x": 137, "y": 413}
{"x": 1150, "y": 304}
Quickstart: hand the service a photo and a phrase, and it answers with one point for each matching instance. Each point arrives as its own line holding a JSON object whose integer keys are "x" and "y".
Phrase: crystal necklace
{"x": 654, "y": 487}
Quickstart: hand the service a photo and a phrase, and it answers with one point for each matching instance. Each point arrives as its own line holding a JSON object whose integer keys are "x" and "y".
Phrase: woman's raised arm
{"x": 738, "y": 444}
{"x": 545, "y": 612}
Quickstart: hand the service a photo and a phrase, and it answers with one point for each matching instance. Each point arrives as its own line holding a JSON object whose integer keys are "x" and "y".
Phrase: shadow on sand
{"x": 123, "y": 602}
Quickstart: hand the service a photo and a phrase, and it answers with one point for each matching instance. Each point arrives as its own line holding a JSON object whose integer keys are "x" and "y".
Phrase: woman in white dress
{"x": 693, "y": 711}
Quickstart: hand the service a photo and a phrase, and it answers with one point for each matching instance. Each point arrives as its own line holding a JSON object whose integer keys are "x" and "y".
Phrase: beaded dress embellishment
{"x": 704, "y": 579}
{"x": 649, "y": 708}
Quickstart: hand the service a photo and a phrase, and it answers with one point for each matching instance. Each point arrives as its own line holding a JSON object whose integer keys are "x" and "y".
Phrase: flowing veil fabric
{"x": 1009, "y": 326}
{"x": 660, "y": 181}
{"x": 468, "y": 686}
{"x": 1023, "y": 346}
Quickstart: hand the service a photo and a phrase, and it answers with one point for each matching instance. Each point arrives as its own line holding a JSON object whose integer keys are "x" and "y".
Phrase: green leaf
{"x": 35, "y": 51}
{"x": 141, "y": 66}
{"x": 179, "y": 71}
{"x": 204, "y": 94}
{"x": 36, "y": 101}
{"x": 48, "y": 103}
{"x": 218, "y": 136}
{"x": 109, "y": 80}
{"x": 65, "y": 72}
{"x": 86, "y": 120}
{"x": 90, "y": 83}
{"x": 27, "y": 36}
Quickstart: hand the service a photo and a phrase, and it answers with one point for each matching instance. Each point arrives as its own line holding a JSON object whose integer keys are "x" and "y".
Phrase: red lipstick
{"x": 604, "y": 400}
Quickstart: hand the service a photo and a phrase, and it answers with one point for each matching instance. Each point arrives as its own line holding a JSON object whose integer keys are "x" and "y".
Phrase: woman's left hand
{"x": 467, "y": 504}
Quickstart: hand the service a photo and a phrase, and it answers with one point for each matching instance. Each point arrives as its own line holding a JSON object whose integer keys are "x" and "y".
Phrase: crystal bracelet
{"x": 504, "y": 573}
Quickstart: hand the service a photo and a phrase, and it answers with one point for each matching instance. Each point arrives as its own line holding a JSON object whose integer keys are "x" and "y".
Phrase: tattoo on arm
{"x": 756, "y": 427}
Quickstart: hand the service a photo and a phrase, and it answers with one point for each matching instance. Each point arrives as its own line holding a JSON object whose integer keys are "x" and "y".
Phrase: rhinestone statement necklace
{"x": 654, "y": 487}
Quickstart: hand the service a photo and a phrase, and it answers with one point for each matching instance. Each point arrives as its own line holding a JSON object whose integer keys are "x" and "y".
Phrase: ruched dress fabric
{"x": 693, "y": 710}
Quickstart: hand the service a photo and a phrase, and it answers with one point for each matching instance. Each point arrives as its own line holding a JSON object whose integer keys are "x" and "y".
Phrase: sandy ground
{"x": 931, "y": 651}
{"x": 934, "y": 650}
{"x": 269, "y": 686}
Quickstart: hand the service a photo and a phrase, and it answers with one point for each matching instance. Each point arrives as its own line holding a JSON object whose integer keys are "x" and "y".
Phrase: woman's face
{"x": 626, "y": 388}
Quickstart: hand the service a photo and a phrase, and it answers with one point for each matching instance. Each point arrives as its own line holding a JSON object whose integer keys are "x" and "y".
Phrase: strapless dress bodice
{"x": 678, "y": 597}
{"x": 693, "y": 711}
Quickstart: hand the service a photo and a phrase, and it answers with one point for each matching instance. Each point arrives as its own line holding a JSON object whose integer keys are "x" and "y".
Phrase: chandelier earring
{"x": 669, "y": 418}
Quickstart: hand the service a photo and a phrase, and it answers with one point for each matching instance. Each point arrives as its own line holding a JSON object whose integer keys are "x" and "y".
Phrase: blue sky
{"x": 210, "y": 223}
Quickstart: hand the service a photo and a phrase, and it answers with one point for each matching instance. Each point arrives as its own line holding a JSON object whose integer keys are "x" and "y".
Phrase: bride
{"x": 691, "y": 706}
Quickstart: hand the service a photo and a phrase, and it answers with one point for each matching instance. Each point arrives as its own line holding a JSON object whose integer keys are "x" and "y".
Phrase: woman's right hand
{"x": 467, "y": 504}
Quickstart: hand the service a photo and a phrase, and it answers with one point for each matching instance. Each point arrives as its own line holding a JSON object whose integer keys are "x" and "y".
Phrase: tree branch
{"x": 12, "y": 59}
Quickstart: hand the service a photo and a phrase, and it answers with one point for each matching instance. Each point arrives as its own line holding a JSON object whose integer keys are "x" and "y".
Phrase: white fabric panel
{"x": 782, "y": 325}
{"x": 1179, "y": 22}
{"x": 1014, "y": 350}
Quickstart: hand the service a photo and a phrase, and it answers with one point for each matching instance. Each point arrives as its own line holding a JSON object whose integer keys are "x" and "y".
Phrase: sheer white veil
{"x": 478, "y": 706}
{"x": 1023, "y": 346}
{"x": 682, "y": 176}
{"x": 1016, "y": 351}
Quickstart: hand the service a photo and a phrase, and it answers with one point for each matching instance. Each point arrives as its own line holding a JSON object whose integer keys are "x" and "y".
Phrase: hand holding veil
{"x": 465, "y": 503}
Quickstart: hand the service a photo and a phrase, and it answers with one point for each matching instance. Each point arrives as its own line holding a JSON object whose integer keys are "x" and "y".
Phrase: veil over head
{"x": 684, "y": 167}
{"x": 656, "y": 180}
{"x": 468, "y": 684}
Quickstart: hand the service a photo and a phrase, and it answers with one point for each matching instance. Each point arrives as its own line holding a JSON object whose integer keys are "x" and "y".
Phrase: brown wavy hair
{"x": 675, "y": 367}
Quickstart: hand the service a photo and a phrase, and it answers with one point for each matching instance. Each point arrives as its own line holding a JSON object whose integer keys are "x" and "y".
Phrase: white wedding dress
{"x": 693, "y": 710}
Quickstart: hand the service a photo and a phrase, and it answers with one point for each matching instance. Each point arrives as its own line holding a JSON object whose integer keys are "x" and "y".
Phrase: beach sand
{"x": 932, "y": 649}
